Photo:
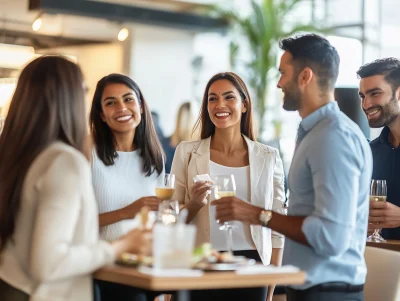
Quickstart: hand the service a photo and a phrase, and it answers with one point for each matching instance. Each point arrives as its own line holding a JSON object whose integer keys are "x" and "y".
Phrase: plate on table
{"x": 133, "y": 260}
{"x": 232, "y": 264}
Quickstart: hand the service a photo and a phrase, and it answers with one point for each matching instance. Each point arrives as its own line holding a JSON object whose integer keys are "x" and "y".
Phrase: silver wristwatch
{"x": 264, "y": 217}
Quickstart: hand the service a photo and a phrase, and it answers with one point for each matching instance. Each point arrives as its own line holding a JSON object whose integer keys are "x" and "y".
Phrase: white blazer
{"x": 266, "y": 191}
{"x": 55, "y": 246}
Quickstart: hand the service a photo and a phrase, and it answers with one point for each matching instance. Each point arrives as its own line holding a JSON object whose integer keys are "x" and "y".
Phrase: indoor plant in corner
{"x": 260, "y": 30}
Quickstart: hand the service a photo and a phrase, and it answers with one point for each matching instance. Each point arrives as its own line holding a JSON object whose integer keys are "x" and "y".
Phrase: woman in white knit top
{"x": 127, "y": 162}
{"x": 49, "y": 242}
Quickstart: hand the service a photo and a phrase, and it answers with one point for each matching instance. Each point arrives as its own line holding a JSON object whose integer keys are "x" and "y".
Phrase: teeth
{"x": 373, "y": 112}
{"x": 222, "y": 114}
{"x": 124, "y": 118}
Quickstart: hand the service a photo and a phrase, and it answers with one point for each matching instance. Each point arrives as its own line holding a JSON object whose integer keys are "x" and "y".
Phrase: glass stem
{"x": 230, "y": 239}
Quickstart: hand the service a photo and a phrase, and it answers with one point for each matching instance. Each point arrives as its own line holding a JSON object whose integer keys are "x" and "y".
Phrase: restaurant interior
{"x": 171, "y": 48}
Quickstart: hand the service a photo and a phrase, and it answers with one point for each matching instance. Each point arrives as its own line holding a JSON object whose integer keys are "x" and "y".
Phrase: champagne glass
{"x": 167, "y": 210}
{"x": 378, "y": 193}
{"x": 224, "y": 186}
{"x": 166, "y": 189}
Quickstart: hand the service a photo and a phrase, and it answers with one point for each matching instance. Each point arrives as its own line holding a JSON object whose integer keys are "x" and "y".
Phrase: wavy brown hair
{"x": 146, "y": 139}
{"x": 207, "y": 128}
{"x": 47, "y": 106}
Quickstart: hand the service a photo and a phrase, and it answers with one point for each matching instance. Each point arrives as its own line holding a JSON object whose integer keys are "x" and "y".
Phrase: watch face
{"x": 265, "y": 217}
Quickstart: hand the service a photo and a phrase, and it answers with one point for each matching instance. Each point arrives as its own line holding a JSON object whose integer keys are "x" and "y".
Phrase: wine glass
{"x": 224, "y": 186}
{"x": 168, "y": 210}
{"x": 378, "y": 193}
{"x": 166, "y": 189}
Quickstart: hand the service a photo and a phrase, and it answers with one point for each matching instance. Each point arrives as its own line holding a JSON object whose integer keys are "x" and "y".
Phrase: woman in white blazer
{"x": 228, "y": 146}
{"x": 49, "y": 243}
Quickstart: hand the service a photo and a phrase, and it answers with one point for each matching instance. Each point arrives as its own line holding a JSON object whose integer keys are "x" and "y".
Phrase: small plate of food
{"x": 134, "y": 260}
{"x": 211, "y": 260}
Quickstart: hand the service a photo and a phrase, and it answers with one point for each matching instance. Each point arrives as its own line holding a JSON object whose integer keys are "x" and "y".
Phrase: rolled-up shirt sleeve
{"x": 335, "y": 170}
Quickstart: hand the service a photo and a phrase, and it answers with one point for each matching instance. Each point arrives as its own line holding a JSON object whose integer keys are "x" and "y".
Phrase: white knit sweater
{"x": 119, "y": 185}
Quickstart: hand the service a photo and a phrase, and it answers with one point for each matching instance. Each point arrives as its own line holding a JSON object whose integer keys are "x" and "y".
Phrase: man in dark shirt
{"x": 380, "y": 95}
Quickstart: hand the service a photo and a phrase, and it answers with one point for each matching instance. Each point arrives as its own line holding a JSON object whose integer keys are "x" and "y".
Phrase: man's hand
{"x": 383, "y": 215}
{"x": 234, "y": 209}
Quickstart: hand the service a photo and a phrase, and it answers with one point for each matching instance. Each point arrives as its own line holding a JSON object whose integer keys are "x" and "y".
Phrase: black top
{"x": 387, "y": 167}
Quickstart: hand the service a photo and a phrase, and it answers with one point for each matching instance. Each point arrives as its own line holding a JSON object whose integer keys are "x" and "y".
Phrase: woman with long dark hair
{"x": 127, "y": 162}
{"x": 49, "y": 242}
{"x": 228, "y": 147}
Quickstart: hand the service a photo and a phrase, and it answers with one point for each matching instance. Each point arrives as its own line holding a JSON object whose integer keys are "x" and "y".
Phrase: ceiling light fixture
{"x": 37, "y": 24}
{"x": 123, "y": 34}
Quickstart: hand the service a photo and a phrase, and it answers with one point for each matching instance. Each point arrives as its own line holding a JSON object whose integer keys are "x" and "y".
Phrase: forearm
{"x": 111, "y": 217}
{"x": 193, "y": 209}
{"x": 289, "y": 226}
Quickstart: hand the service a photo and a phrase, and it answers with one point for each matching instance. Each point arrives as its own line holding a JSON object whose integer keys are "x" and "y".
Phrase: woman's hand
{"x": 199, "y": 192}
{"x": 131, "y": 210}
{"x": 136, "y": 241}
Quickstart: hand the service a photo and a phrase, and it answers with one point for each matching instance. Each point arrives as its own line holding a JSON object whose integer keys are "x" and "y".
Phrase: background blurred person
{"x": 380, "y": 96}
{"x": 228, "y": 146}
{"x": 156, "y": 122}
{"x": 49, "y": 242}
{"x": 185, "y": 121}
{"x": 127, "y": 162}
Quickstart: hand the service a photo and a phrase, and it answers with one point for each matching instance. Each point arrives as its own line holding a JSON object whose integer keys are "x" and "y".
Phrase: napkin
{"x": 266, "y": 269}
{"x": 170, "y": 272}
{"x": 203, "y": 178}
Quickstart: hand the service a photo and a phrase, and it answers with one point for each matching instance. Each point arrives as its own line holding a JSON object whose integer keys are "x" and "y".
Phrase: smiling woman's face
{"x": 225, "y": 105}
{"x": 120, "y": 108}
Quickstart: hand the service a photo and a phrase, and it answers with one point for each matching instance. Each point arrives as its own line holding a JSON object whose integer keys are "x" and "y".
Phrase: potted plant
{"x": 261, "y": 29}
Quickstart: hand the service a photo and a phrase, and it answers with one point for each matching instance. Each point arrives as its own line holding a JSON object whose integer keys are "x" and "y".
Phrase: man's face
{"x": 288, "y": 84}
{"x": 379, "y": 102}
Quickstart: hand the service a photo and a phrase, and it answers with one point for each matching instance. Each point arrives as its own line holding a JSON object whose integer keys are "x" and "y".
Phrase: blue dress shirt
{"x": 329, "y": 182}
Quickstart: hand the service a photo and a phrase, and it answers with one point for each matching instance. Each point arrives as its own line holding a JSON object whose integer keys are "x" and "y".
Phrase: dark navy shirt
{"x": 387, "y": 167}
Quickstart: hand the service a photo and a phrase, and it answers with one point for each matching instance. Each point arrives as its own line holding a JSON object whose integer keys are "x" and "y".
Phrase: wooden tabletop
{"x": 217, "y": 280}
{"x": 393, "y": 245}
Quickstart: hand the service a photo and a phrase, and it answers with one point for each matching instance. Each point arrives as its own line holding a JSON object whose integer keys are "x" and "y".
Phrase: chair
{"x": 383, "y": 276}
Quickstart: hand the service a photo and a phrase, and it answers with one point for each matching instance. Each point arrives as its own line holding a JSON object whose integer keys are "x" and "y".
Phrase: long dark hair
{"x": 48, "y": 105}
{"x": 207, "y": 128}
{"x": 146, "y": 139}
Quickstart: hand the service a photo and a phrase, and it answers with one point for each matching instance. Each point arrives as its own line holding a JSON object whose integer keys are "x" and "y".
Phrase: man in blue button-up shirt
{"x": 329, "y": 180}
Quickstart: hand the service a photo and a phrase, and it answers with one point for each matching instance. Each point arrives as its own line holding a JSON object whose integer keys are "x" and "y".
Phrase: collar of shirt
{"x": 311, "y": 120}
{"x": 384, "y": 137}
